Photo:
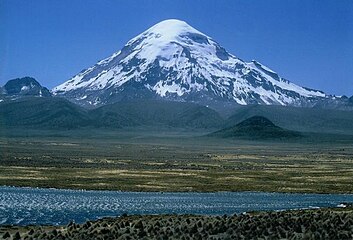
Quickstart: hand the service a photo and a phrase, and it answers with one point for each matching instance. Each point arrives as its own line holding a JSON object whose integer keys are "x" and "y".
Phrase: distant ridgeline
{"x": 25, "y": 103}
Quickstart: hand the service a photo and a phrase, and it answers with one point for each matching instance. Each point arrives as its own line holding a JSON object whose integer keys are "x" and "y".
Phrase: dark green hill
{"x": 298, "y": 119}
{"x": 156, "y": 113}
{"x": 256, "y": 127}
{"x": 37, "y": 112}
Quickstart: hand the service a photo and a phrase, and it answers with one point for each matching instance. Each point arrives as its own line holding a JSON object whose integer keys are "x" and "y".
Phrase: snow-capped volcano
{"x": 174, "y": 61}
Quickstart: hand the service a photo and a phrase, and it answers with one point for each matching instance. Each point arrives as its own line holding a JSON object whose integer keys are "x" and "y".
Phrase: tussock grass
{"x": 139, "y": 161}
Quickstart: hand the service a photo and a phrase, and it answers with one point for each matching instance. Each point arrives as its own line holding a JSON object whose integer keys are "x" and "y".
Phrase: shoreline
{"x": 166, "y": 192}
{"x": 323, "y": 223}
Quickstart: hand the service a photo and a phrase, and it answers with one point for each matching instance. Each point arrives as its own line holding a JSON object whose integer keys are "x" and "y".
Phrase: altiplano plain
{"x": 174, "y": 161}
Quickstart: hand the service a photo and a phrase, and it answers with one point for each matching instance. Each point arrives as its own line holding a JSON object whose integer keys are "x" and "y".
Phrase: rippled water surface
{"x": 26, "y": 206}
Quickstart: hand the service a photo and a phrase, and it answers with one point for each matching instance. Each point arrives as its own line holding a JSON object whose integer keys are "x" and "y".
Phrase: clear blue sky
{"x": 309, "y": 42}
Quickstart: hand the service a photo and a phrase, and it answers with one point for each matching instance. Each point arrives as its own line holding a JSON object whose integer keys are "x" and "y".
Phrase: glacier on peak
{"x": 174, "y": 61}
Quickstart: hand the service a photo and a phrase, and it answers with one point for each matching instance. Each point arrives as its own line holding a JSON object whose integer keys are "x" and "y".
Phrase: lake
{"x": 26, "y": 206}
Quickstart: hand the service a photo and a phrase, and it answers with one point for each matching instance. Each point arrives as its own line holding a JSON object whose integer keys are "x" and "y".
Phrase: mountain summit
{"x": 174, "y": 61}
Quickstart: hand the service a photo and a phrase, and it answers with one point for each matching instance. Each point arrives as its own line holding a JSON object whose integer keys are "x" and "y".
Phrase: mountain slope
{"x": 350, "y": 100}
{"x": 35, "y": 112}
{"x": 174, "y": 61}
{"x": 156, "y": 113}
